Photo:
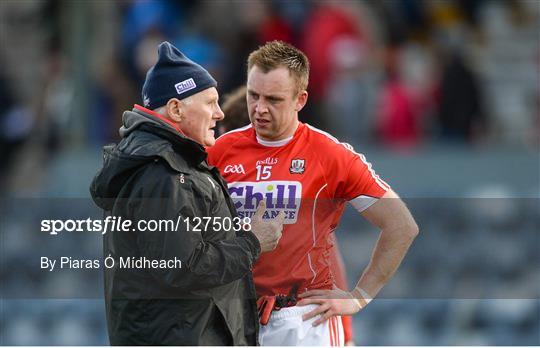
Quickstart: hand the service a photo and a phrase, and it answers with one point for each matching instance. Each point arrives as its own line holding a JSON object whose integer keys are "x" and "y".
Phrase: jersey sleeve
{"x": 358, "y": 182}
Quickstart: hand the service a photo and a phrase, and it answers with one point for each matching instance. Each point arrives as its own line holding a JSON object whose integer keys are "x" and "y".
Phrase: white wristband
{"x": 356, "y": 301}
{"x": 366, "y": 299}
{"x": 364, "y": 294}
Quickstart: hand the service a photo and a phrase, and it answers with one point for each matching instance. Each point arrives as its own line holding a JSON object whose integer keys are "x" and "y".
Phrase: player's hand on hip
{"x": 267, "y": 231}
{"x": 330, "y": 303}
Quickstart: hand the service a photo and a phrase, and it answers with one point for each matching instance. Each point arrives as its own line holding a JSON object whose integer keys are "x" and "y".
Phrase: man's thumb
{"x": 260, "y": 209}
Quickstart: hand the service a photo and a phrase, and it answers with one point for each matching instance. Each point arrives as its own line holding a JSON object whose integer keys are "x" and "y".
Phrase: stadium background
{"x": 442, "y": 97}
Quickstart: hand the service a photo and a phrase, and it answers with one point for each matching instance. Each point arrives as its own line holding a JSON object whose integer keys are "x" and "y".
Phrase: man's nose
{"x": 261, "y": 107}
{"x": 219, "y": 115}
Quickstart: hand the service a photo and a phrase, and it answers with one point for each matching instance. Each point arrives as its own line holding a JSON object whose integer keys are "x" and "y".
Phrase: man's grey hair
{"x": 162, "y": 110}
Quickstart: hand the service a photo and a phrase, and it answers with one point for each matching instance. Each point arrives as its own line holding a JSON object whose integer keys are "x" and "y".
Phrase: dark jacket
{"x": 155, "y": 173}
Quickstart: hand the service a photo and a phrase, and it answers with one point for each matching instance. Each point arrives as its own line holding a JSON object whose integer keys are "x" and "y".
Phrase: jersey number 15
{"x": 263, "y": 172}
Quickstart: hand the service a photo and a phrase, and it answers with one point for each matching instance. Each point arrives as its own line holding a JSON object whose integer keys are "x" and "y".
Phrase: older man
{"x": 158, "y": 172}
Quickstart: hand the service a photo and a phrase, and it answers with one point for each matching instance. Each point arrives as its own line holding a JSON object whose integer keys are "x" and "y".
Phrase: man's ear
{"x": 301, "y": 100}
{"x": 175, "y": 110}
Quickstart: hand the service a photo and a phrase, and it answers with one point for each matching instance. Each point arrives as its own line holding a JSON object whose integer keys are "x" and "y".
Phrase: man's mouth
{"x": 261, "y": 122}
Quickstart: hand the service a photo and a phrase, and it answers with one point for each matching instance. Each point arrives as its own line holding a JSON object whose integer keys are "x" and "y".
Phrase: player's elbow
{"x": 409, "y": 231}
{"x": 412, "y": 230}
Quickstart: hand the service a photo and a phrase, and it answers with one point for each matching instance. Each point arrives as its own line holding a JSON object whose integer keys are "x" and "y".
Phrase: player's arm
{"x": 398, "y": 230}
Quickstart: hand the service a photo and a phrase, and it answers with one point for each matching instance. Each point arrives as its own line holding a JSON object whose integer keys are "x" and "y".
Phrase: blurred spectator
{"x": 327, "y": 28}
{"x": 351, "y": 92}
{"x": 16, "y": 123}
{"x": 113, "y": 93}
{"x": 235, "y": 110}
{"x": 142, "y": 17}
{"x": 294, "y": 13}
{"x": 205, "y": 51}
{"x": 57, "y": 100}
{"x": 508, "y": 63}
{"x": 398, "y": 114}
{"x": 145, "y": 54}
{"x": 461, "y": 114}
{"x": 274, "y": 27}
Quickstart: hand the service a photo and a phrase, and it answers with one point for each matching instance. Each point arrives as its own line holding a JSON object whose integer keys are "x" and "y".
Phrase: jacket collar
{"x": 162, "y": 128}
{"x": 157, "y": 116}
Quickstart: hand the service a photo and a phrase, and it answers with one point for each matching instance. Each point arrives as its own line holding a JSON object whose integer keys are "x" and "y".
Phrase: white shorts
{"x": 286, "y": 328}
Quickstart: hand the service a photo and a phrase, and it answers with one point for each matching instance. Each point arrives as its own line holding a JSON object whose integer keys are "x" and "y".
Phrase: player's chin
{"x": 263, "y": 131}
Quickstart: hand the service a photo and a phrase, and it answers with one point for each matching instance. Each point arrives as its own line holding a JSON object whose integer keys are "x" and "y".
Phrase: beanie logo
{"x": 184, "y": 86}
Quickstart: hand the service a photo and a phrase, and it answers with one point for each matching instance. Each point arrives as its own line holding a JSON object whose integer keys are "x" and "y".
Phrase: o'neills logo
{"x": 279, "y": 196}
{"x": 270, "y": 161}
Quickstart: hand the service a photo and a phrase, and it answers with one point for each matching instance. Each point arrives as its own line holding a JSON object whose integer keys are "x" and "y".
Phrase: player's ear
{"x": 301, "y": 100}
{"x": 175, "y": 110}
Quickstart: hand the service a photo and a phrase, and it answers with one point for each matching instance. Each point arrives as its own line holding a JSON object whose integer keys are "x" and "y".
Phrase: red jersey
{"x": 310, "y": 177}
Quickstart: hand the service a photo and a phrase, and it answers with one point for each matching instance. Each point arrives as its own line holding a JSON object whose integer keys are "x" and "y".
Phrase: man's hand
{"x": 268, "y": 232}
{"x": 331, "y": 303}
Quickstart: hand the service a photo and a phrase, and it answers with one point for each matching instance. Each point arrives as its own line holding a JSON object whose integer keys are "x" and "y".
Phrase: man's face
{"x": 200, "y": 112}
{"x": 273, "y": 103}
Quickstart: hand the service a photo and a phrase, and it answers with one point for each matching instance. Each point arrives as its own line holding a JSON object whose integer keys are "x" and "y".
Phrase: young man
{"x": 236, "y": 110}
{"x": 309, "y": 175}
{"x": 158, "y": 173}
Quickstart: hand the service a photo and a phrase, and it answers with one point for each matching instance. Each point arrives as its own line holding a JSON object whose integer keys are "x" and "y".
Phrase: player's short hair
{"x": 275, "y": 54}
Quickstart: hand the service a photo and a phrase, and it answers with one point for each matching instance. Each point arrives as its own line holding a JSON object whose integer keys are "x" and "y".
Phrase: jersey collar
{"x": 278, "y": 143}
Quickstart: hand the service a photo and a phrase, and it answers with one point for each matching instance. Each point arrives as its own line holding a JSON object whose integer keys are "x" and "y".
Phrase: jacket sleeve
{"x": 205, "y": 263}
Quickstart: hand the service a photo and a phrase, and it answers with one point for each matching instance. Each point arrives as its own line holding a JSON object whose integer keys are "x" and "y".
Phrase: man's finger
{"x": 319, "y": 310}
{"x": 312, "y": 293}
{"x": 322, "y": 319}
{"x": 308, "y": 301}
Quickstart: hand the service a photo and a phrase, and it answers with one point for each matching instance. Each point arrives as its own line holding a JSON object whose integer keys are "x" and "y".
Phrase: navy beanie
{"x": 173, "y": 76}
